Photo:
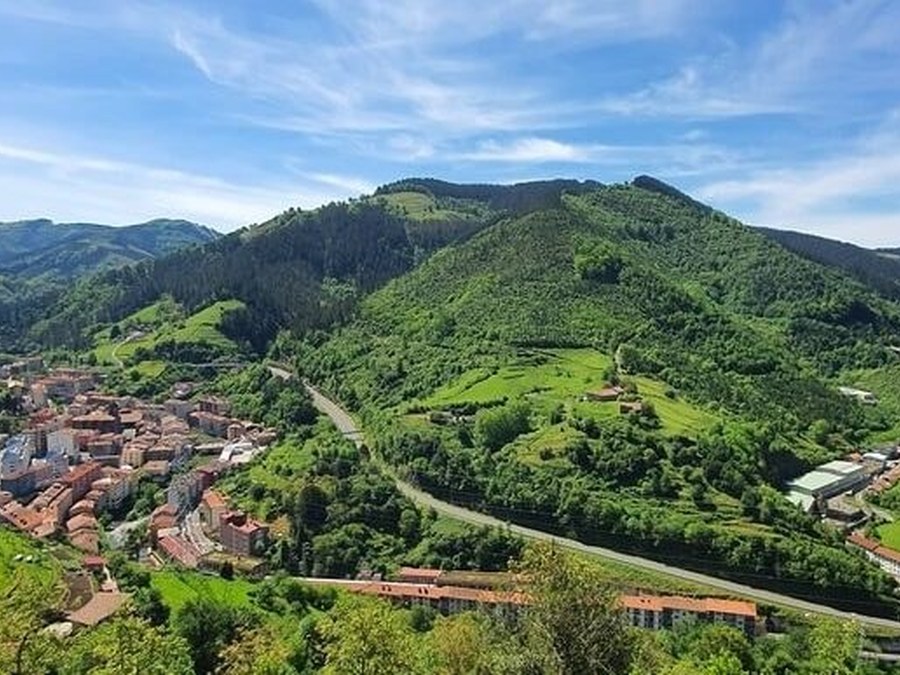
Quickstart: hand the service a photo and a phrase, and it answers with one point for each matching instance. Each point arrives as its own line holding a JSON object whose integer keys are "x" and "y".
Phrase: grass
{"x": 43, "y": 565}
{"x": 177, "y": 587}
{"x": 157, "y": 326}
{"x": 562, "y": 376}
{"x": 418, "y": 206}
{"x": 889, "y": 533}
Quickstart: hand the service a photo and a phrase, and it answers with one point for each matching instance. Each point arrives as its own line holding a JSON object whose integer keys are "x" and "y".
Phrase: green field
{"x": 562, "y": 376}
{"x": 418, "y": 206}
{"x": 179, "y": 586}
{"x": 889, "y": 533}
{"x": 42, "y": 564}
{"x": 161, "y": 322}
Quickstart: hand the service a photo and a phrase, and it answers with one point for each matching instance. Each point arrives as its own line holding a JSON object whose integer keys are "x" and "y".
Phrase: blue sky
{"x": 780, "y": 113}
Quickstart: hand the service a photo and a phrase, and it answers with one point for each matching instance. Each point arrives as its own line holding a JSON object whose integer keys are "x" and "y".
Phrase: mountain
{"x": 35, "y": 248}
{"x": 39, "y": 260}
{"x": 689, "y": 294}
{"x": 879, "y": 269}
{"x": 475, "y": 329}
{"x": 303, "y": 270}
{"x": 481, "y": 375}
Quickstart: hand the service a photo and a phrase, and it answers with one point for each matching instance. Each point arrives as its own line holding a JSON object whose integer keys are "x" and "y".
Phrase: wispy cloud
{"x": 852, "y": 194}
{"x": 39, "y": 182}
{"x": 820, "y": 53}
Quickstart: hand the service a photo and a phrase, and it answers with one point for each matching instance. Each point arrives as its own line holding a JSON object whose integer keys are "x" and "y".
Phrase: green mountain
{"x": 471, "y": 325}
{"x": 303, "y": 270}
{"x": 474, "y": 372}
{"x": 879, "y": 269}
{"x": 34, "y": 248}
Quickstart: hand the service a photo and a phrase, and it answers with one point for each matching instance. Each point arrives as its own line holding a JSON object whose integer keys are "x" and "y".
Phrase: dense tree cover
{"x": 517, "y": 198}
{"x": 346, "y": 517}
{"x": 571, "y": 623}
{"x": 873, "y": 268}
{"x": 677, "y": 292}
{"x": 699, "y": 301}
{"x": 258, "y": 394}
{"x": 39, "y": 260}
{"x": 620, "y": 489}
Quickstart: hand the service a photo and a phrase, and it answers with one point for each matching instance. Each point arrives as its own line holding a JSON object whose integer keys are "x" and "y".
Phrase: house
{"x": 163, "y": 518}
{"x": 209, "y": 423}
{"x": 241, "y": 535}
{"x": 608, "y": 393}
{"x": 663, "y": 612}
{"x": 631, "y": 408}
{"x": 178, "y": 549}
{"x": 215, "y": 405}
{"x": 212, "y": 507}
{"x": 886, "y": 558}
{"x": 418, "y": 575}
{"x": 179, "y": 408}
{"x": 80, "y": 478}
{"x": 98, "y": 609}
{"x": 864, "y": 397}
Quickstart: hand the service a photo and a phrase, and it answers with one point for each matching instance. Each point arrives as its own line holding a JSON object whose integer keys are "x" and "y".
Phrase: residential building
{"x": 81, "y": 477}
{"x": 212, "y": 507}
{"x": 886, "y": 558}
{"x": 658, "y": 612}
{"x": 215, "y": 405}
{"x": 241, "y": 535}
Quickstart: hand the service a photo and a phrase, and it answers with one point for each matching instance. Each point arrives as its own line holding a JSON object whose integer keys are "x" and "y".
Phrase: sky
{"x": 784, "y": 114}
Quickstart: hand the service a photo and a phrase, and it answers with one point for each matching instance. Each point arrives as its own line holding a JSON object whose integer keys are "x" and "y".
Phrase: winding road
{"x": 346, "y": 424}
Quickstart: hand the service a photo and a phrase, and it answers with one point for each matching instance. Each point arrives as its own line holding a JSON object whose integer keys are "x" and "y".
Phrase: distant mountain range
{"x": 879, "y": 269}
{"x": 36, "y": 248}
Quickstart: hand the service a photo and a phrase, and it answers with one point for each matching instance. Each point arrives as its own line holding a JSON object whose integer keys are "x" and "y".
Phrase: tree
{"x": 572, "y": 621}
{"x": 26, "y": 602}
{"x": 208, "y": 626}
{"x": 367, "y": 637}
{"x": 496, "y": 427}
{"x": 127, "y": 645}
{"x": 257, "y": 652}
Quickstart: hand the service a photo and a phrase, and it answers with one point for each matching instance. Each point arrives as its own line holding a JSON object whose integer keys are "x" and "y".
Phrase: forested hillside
{"x": 302, "y": 270}
{"x": 878, "y": 269}
{"x": 40, "y": 259}
{"x": 473, "y": 371}
{"x": 34, "y": 248}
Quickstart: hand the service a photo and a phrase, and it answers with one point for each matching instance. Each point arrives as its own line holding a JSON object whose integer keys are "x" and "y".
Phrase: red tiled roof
{"x": 658, "y": 603}
{"x": 100, "y": 607}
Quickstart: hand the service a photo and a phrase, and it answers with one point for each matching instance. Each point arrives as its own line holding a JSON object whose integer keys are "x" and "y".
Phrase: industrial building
{"x": 826, "y": 481}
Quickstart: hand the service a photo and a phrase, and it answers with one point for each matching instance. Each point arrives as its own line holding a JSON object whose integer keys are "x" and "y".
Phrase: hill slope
{"x": 879, "y": 269}
{"x": 301, "y": 270}
{"x": 473, "y": 373}
{"x": 67, "y": 250}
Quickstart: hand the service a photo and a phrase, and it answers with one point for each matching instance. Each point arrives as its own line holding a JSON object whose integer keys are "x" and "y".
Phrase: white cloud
{"x": 41, "y": 183}
{"x": 529, "y": 150}
{"x": 850, "y": 195}
{"x": 820, "y": 57}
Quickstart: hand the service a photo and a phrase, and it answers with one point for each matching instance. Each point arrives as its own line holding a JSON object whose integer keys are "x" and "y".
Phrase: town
{"x": 83, "y": 455}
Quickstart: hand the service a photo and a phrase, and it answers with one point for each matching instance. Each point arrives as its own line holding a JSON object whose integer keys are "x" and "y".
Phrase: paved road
{"x": 345, "y": 423}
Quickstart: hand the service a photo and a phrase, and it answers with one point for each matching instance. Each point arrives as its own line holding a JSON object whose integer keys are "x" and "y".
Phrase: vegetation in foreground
{"x": 570, "y": 625}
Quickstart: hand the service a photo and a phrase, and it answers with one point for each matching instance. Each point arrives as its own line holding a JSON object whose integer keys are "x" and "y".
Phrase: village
{"x": 83, "y": 455}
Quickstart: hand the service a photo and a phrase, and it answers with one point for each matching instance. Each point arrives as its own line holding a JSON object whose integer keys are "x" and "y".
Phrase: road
{"x": 345, "y": 423}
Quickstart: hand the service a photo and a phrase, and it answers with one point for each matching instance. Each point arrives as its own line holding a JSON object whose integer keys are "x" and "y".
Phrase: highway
{"x": 345, "y": 423}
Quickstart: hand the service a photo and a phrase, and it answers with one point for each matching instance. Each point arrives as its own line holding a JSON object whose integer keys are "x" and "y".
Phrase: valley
{"x": 617, "y": 370}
